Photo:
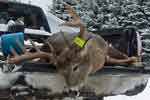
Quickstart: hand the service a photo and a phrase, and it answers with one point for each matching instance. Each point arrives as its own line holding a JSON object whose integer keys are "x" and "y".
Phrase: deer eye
{"x": 75, "y": 68}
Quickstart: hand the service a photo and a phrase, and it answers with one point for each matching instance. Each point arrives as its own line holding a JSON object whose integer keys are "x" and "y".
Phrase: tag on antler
{"x": 79, "y": 41}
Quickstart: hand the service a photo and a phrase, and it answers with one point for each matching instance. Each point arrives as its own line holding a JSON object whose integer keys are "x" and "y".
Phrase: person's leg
{"x": 129, "y": 60}
{"x": 114, "y": 53}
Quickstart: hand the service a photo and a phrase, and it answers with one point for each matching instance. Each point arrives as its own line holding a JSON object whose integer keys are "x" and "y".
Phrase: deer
{"x": 75, "y": 63}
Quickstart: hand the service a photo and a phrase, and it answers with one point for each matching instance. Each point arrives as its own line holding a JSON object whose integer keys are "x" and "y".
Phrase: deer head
{"x": 70, "y": 63}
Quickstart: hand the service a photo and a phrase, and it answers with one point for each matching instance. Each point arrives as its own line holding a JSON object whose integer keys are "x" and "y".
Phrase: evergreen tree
{"x": 100, "y": 14}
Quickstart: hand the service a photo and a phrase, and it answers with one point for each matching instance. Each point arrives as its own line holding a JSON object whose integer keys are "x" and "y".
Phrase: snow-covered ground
{"x": 142, "y": 96}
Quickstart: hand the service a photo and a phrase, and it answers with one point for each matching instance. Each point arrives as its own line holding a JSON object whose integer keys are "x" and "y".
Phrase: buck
{"x": 73, "y": 61}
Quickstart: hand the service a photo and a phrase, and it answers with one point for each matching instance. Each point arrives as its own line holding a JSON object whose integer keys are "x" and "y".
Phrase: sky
{"x": 142, "y": 96}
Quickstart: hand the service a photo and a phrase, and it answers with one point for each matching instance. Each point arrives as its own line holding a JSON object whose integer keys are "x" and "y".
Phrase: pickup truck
{"x": 40, "y": 80}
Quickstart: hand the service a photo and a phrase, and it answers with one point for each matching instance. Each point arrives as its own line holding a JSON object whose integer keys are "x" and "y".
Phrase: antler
{"x": 27, "y": 55}
{"x": 76, "y": 21}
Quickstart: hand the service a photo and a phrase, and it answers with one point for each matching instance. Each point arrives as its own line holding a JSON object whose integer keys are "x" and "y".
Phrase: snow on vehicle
{"x": 40, "y": 80}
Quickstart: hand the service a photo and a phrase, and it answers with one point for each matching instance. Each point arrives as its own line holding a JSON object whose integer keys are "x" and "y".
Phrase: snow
{"x": 142, "y": 96}
{"x": 7, "y": 79}
{"x": 53, "y": 82}
{"x": 127, "y": 10}
{"x": 117, "y": 84}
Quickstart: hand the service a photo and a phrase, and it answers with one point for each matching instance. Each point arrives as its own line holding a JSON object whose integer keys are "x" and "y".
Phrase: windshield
{"x": 30, "y": 16}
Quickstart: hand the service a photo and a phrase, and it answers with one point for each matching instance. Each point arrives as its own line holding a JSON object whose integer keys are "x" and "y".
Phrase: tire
{"x": 19, "y": 98}
{"x": 94, "y": 98}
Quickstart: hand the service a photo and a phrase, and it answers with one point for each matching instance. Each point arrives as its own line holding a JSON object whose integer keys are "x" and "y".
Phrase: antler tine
{"x": 50, "y": 46}
{"x": 65, "y": 39}
{"x": 29, "y": 56}
{"x": 53, "y": 59}
{"x": 72, "y": 12}
{"x": 33, "y": 44}
{"x": 76, "y": 22}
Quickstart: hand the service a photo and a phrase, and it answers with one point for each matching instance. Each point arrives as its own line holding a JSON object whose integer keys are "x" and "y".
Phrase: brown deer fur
{"x": 73, "y": 62}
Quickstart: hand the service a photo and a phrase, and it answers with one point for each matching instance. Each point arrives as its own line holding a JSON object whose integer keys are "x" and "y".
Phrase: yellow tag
{"x": 79, "y": 41}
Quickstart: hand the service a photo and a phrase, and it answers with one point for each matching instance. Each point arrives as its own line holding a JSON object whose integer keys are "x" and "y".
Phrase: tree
{"x": 100, "y": 14}
{"x": 15, "y": 0}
